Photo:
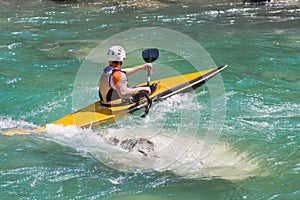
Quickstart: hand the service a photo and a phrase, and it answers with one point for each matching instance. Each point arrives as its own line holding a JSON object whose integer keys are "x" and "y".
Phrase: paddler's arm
{"x": 126, "y": 92}
{"x": 133, "y": 70}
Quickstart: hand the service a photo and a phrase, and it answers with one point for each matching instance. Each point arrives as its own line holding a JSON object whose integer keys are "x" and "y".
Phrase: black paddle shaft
{"x": 149, "y": 56}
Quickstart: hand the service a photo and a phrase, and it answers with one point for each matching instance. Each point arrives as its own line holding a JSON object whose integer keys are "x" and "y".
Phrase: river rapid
{"x": 43, "y": 47}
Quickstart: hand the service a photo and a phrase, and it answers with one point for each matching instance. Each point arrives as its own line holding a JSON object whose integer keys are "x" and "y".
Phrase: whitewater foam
{"x": 182, "y": 156}
{"x": 6, "y": 123}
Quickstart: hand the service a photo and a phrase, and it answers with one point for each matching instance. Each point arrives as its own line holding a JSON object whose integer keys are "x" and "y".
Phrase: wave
{"x": 168, "y": 141}
{"x": 8, "y": 123}
{"x": 161, "y": 152}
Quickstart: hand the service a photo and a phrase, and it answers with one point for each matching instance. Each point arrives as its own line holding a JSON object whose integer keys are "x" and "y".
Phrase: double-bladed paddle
{"x": 149, "y": 56}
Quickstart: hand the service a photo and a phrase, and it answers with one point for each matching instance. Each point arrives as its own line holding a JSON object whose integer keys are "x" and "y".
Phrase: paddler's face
{"x": 116, "y": 63}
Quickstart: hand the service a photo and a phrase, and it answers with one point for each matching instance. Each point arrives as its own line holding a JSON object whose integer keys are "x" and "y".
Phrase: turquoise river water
{"x": 43, "y": 45}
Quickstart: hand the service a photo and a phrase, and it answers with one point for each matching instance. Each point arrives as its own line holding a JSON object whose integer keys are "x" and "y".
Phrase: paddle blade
{"x": 150, "y": 55}
{"x": 148, "y": 106}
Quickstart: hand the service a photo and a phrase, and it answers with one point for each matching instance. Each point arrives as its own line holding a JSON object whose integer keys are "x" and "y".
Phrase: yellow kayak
{"x": 96, "y": 113}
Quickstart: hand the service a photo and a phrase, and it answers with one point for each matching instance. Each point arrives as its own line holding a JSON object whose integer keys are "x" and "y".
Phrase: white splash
{"x": 170, "y": 152}
{"x": 6, "y": 123}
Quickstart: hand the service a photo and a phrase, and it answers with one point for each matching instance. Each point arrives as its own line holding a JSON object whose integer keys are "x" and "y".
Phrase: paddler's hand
{"x": 144, "y": 89}
{"x": 147, "y": 66}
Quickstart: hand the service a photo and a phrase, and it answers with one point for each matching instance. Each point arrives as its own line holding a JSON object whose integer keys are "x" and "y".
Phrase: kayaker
{"x": 114, "y": 87}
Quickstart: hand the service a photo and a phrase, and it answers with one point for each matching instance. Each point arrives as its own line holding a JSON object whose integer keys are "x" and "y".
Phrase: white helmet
{"x": 116, "y": 53}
